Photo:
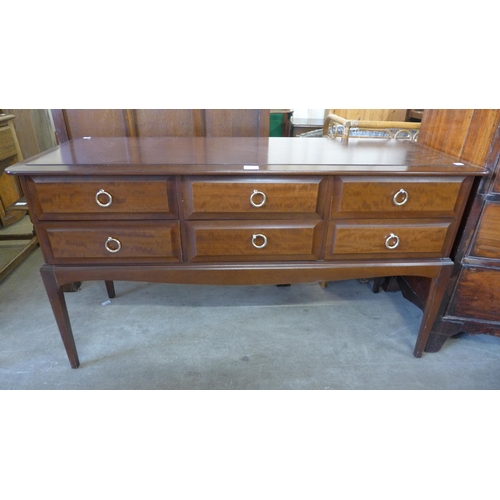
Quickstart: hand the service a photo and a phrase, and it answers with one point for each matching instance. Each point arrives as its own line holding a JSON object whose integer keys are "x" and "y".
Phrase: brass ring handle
{"x": 104, "y": 193}
{"x": 114, "y": 240}
{"x": 258, "y": 193}
{"x": 396, "y": 197}
{"x": 255, "y": 236}
{"x": 394, "y": 245}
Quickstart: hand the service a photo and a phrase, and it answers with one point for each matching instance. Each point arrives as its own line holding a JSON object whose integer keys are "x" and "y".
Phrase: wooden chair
{"x": 12, "y": 203}
{"x": 338, "y": 126}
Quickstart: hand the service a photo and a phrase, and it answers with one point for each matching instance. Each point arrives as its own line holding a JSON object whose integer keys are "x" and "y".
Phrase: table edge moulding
{"x": 244, "y": 211}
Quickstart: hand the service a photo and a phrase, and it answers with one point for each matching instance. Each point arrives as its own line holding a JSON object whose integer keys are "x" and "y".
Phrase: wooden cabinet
{"x": 472, "y": 298}
{"x": 226, "y": 210}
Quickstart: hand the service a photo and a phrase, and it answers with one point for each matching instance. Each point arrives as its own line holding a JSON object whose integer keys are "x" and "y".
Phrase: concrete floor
{"x": 156, "y": 336}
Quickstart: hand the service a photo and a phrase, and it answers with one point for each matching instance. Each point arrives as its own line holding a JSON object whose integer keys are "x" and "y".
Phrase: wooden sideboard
{"x": 233, "y": 210}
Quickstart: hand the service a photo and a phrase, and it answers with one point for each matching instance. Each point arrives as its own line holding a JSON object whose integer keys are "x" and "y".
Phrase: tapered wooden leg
{"x": 110, "y": 287}
{"x": 434, "y": 298}
{"x": 58, "y": 304}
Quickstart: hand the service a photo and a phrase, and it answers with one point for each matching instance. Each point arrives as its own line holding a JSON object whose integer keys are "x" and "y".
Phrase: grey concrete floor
{"x": 160, "y": 336}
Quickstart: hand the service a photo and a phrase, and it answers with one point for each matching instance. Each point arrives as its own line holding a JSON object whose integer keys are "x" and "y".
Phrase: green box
{"x": 276, "y": 125}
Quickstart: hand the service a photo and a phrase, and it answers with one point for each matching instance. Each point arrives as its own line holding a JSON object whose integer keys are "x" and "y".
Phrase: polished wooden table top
{"x": 233, "y": 155}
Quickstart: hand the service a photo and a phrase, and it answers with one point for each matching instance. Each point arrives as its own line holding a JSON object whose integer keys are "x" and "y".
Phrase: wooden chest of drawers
{"x": 243, "y": 211}
{"x": 471, "y": 300}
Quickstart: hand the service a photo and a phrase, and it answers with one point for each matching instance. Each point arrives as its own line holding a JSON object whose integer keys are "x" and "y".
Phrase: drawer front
{"x": 364, "y": 239}
{"x": 477, "y": 295}
{"x": 487, "y": 242}
{"x": 390, "y": 196}
{"x": 231, "y": 241}
{"x": 250, "y": 198}
{"x": 105, "y": 242}
{"x": 102, "y": 198}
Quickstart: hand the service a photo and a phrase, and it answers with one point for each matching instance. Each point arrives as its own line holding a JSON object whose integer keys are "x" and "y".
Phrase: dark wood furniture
{"x": 244, "y": 211}
{"x": 471, "y": 301}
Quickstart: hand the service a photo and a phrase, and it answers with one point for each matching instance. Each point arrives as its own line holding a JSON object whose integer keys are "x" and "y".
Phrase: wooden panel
{"x": 237, "y": 123}
{"x": 465, "y": 133}
{"x": 483, "y": 127}
{"x": 487, "y": 242}
{"x": 77, "y": 196}
{"x": 34, "y": 130}
{"x": 169, "y": 122}
{"x": 218, "y": 241}
{"x": 376, "y": 196}
{"x": 10, "y": 190}
{"x": 477, "y": 295}
{"x": 210, "y": 197}
{"x": 361, "y": 239}
{"x": 496, "y": 187}
{"x": 398, "y": 115}
{"x": 94, "y": 123}
{"x": 7, "y": 144}
{"x": 9, "y": 194}
{"x": 445, "y": 129}
{"x": 494, "y": 162}
{"x": 141, "y": 242}
{"x": 75, "y": 123}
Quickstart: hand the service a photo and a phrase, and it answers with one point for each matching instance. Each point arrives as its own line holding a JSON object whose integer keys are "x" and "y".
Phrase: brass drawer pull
{"x": 394, "y": 238}
{"x": 258, "y": 193}
{"x": 104, "y": 193}
{"x": 112, "y": 250}
{"x": 396, "y": 197}
{"x": 255, "y": 236}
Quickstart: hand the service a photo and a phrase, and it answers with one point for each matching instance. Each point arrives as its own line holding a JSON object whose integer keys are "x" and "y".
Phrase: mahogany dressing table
{"x": 233, "y": 211}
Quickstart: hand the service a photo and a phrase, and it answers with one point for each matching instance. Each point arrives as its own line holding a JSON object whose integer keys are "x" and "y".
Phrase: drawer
{"x": 477, "y": 294}
{"x": 392, "y": 197}
{"x": 253, "y": 198}
{"x": 487, "y": 242}
{"x": 102, "y": 198}
{"x": 220, "y": 241}
{"x": 108, "y": 242}
{"x": 388, "y": 239}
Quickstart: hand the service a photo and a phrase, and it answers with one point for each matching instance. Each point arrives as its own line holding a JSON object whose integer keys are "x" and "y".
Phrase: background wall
{"x": 305, "y": 114}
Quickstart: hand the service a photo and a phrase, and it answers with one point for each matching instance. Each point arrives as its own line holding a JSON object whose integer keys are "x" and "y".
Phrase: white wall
{"x": 304, "y": 114}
